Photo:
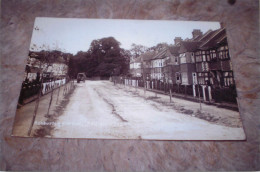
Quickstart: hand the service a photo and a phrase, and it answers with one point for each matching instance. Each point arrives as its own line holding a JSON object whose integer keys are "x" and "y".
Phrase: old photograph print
{"x": 128, "y": 79}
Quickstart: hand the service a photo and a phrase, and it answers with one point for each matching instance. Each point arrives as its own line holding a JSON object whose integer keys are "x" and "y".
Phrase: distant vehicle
{"x": 81, "y": 77}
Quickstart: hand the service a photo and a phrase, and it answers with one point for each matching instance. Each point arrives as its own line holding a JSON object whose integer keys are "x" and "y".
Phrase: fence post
{"x": 185, "y": 90}
{"x": 199, "y": 97}
{"x": 210, "y": 95}
{"x": 136, "y": 85}
{"x": 50, "y": 101}
{"x": 194, "y": 90}
{"x": 170, "y": 95}
{"x": 144, "y": 89}
{"x": 58, "y": 95}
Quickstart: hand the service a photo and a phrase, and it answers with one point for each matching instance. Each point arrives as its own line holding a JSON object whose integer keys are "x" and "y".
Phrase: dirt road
{"x": 98, "y": 109}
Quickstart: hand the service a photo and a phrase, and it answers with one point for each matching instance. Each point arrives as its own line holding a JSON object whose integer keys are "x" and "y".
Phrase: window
{"x": 182, "y": 58}
{"x": 198, "y": 58}
{"x": 178, "y": 77}
{"x": 201, "y": 81}
{"x": 204, "y": 78}
{"x": 213, "y": 55}
{"x": 184, "y": 78}
{"x": 192, "y": 59}
{"x": 204, "y": 57}
{"x": 228, "y": 79}
{"x": 205, "y": 66}
{"x": 223, "y": 52}
{"x": 208, "y": 57}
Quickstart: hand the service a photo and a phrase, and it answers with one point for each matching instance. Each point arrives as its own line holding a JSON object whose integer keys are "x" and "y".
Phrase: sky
{"x": 73, "y": 34}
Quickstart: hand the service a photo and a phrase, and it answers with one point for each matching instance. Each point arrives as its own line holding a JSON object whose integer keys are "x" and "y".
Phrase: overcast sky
{"x": 73, "y": 35}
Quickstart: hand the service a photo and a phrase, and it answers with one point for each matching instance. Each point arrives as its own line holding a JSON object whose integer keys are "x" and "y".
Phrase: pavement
{"x": 24, "y": 113}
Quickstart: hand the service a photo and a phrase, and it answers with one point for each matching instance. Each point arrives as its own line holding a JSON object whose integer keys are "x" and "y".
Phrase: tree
{"x": 137, "y": 50}
{"x": 77, "y": 64}
{"x": 158, "y": 47}
{"x": 104, "y": 58}
{"x": 126, "y": 54}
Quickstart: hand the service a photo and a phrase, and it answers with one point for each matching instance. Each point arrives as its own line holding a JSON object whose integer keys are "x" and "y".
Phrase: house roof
{"x": 161, "y": 54}
{"x": 206, "y": 41}
{"x": 223, "y": 38}
{"x": 197, "y": 38}
{"x": 136, "y": 60}
{"x": 206, "y": 35}
{"x": 189, "y": 46}
{"x": 174, "y": 50}
{"x": 147, "y": 56}
{"x": 216, "y": 38}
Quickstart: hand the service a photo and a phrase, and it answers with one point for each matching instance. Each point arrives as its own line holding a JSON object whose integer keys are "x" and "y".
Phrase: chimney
{"x": 222, "y": 25}
{"x": 177, "y": 40}
{"x": 196, "y": 32}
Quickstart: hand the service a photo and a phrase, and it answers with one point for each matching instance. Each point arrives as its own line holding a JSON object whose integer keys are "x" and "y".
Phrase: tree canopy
{"x": 54, "y": 56}
{"x": 137, "y": 50}
{"x": 104, "y": 58}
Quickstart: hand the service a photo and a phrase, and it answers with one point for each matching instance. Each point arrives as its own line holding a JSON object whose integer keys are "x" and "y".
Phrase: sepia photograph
{"x": 128, "y": 79}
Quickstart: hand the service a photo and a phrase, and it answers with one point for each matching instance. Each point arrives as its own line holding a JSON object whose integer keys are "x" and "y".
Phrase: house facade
{"x": 147, "y": 65}
{"x": 172, "y": 66}
{"x": 187, "y": 61}
{"x": 157, "y": 64}
{"x": 199, "y": 66}
{"x": 35, "y": 67}
{"x": 213, "y": 65}
{"x": 213, "y": 61}
{"x": 135, "y": 67}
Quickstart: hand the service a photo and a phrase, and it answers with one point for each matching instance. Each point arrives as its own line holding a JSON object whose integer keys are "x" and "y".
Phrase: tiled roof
{"x": 147, "y": 56}
{"x": 217, "y": 37}
{"x": 136, "y": 60}
{"x": 197, "y": 38}
{"x": 174, "y": 50}
{"x": 189, "y": 46}
{"x": 161, "y": 53}
{"x": 221, "y": 39}
{"x": 207, "y": 35}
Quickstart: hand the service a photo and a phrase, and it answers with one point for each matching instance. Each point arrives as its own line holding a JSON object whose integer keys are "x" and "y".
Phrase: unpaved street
{"x": 98, "y": 109}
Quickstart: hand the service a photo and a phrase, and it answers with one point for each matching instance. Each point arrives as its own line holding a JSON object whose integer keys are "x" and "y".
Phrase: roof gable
{"x": 216, "y": 38}
{"x": 189, "y": 46}
{"x": 147, "y": 56}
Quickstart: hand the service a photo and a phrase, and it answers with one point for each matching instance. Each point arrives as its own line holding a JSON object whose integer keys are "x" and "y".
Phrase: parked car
{"x": 81, "y": 77}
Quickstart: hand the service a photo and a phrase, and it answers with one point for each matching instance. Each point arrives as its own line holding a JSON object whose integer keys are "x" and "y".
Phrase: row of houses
{"x": 35, "y": 67}
{"x": 202, "y": 60}
{"x": 40, "y": 67}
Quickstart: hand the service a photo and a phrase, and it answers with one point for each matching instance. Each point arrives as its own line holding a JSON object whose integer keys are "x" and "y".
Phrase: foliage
{"x": 158, "y": 47}
{"x": 49, "y": 57}
{"x": 104, "y": 58}
{"x": 137, "y": 50}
